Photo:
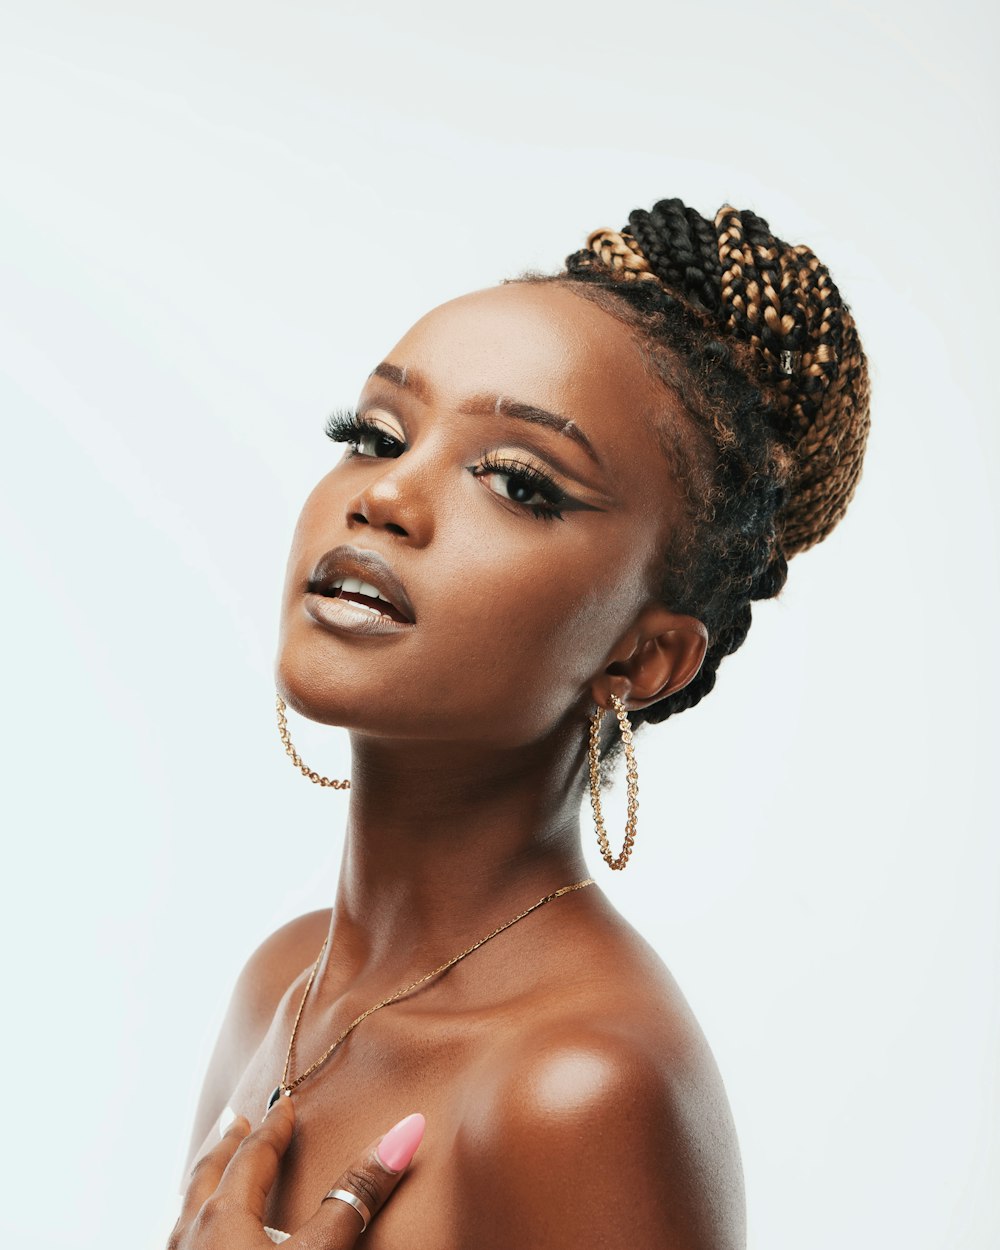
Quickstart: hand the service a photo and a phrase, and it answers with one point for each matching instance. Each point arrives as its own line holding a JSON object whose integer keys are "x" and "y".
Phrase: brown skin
{"x": 571, "y": 1098}
{"x": 226, "y": 1199}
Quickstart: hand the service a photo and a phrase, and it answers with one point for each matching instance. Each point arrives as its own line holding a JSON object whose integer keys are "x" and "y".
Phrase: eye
{"x": 522, "y": 484}
{"x": 362, "y": 435}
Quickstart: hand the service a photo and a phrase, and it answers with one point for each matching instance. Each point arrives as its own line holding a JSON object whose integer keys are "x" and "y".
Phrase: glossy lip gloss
{"x": 344, "y": 617}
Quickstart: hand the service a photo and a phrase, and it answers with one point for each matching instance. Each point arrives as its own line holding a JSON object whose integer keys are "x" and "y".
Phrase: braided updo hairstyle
{"x": 753, "y": 336}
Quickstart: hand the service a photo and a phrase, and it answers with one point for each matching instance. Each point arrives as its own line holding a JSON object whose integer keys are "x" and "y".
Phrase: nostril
{"x": 396, "y": 529}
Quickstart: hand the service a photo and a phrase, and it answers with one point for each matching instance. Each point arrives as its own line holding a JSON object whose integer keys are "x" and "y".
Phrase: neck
{"x": 446, "y": 842}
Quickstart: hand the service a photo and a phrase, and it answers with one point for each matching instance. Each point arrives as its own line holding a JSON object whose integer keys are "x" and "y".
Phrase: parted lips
{"x": 363, "y": 574}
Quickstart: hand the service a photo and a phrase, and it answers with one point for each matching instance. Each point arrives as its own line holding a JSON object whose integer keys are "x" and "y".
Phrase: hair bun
{"x": 781, "y": 301}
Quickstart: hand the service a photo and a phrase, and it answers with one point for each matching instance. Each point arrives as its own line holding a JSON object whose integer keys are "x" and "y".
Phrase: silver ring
{"x": 345, "y": 1195}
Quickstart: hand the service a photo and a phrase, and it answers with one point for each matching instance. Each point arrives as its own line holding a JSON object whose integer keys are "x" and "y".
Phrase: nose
{"x": 394, "y": 499}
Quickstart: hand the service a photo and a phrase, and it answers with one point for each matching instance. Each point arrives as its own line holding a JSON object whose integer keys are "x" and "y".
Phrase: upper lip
{"x": 347, "y": 561}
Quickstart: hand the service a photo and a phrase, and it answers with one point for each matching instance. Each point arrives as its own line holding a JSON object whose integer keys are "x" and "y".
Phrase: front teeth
{"x": 356, "y": 586}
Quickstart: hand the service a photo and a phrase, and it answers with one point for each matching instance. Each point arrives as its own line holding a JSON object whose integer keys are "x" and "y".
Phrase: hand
{"x": 225, "y": 1202}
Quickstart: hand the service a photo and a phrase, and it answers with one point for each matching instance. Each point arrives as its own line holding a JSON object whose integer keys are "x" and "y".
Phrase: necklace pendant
{"x": 275, "y": 1095}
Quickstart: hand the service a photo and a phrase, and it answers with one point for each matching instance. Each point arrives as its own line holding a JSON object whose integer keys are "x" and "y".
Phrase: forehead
{"x": 541, "y": 344}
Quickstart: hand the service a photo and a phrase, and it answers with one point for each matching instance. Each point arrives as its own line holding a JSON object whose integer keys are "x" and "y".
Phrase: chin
{"x": 310, "y": 689}
{"x": 344, "y": 695}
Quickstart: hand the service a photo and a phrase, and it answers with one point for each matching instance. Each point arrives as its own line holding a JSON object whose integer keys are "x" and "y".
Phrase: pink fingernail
{"x": 399, "y": 1145}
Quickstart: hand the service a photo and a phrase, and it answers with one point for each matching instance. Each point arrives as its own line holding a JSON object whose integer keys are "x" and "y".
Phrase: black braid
{"x": 682, "y": 250}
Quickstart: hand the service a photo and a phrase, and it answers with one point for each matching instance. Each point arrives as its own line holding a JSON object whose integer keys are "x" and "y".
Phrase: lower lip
{"x": 346, "y": 617}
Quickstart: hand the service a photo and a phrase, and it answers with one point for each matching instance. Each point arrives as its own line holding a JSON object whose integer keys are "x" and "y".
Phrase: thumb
{"x": 370, "y": 1180}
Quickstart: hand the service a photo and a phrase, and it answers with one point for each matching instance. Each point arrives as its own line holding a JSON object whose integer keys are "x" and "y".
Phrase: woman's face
{"x": 515, "y": 611}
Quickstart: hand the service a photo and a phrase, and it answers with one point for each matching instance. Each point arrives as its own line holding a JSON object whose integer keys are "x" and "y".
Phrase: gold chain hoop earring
{"x": 294, "y": 755}
{"x": 595, "y": 783}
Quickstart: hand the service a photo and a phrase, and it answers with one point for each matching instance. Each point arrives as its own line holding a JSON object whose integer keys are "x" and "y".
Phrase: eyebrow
{"x": 490, "y": 405}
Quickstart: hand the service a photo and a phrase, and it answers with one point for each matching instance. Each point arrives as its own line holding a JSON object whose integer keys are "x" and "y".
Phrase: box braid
{"x": 753, "y": 336}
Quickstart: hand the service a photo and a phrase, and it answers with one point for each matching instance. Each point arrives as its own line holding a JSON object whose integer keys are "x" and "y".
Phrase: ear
{"x": 659, "y": 653}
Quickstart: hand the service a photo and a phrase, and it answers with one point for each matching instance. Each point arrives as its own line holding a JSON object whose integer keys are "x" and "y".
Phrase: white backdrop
{"x": 215, "y": 218}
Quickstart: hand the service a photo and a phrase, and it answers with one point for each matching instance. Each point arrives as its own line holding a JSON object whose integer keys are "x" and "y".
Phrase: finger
{"x": 337, "y": 1224}
{"x": 253, "y": 1169}
{"x": 207, "y": 1172}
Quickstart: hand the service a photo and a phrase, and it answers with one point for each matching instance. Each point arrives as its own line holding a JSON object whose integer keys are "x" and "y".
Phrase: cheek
{"x": 312, "y": 529}
{"x": 538, "y": 608}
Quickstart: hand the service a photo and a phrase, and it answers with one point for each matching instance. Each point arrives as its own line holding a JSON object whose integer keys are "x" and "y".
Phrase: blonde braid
{"x": 781, "y": 301}
{"x": 618, "y": 250}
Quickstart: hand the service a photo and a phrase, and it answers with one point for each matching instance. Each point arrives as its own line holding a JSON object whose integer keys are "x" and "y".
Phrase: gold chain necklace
{"x": 285, "y": 1086}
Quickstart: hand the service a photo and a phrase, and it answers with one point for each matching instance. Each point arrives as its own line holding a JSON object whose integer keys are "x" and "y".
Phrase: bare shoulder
{"x": 271, "y": 969}
{"x": 262, "y": 983}
{"x": 607, "y": 1124}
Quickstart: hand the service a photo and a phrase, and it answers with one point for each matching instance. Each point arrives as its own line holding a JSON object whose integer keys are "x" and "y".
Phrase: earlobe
{"x": 660, "y": 654}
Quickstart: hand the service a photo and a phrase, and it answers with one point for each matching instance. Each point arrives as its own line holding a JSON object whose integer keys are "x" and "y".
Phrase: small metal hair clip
{"x": 790, "y": 362}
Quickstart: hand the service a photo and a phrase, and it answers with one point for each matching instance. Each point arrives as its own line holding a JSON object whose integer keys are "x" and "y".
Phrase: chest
{"x": 394, "y": 1062}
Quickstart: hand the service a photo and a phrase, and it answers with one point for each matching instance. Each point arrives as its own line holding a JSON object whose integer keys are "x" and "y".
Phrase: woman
{"x": 558, "y": 495}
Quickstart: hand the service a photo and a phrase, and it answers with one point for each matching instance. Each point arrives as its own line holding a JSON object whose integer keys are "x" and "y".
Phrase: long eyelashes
{"x": 521, "y": 475}
{"x": 346, "y": 426}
